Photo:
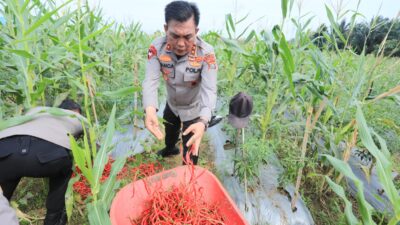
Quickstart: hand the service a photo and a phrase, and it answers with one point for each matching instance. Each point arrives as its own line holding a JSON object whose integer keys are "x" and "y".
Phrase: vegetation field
{"x": 317, "y": 97}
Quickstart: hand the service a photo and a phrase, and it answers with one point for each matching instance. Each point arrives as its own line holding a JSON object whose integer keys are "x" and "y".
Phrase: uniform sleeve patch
{"x": 165, "y": 58}
{"x": 152, "y": 52}
{"x": 210, "y": 60}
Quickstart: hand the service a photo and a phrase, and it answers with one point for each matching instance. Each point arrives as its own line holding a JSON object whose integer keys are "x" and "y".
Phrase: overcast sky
{"x": 150, "y": 13}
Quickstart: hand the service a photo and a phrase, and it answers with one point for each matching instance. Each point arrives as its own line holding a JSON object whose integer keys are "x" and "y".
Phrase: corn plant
{"x": 25, "y": 33}
{"x": 92, "y": 163}
{"x": 384, "y": 170}
{"x": 255, "y": 153}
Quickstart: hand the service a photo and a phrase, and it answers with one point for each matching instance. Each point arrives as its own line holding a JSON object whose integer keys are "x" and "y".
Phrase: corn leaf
{"x": 383, "y": 163}
{"x": 351, "y": 219}
{"x": 364, "y": 206}
{"x": 284, "y": 7}
{"x": 97, "y": 213}
{"x": 334, "y": 24}
{"x": 122, "y": 92}
{"x": 102, "y": 156}
{"x": 107, "y": 189}
{"x": 44, "y": 18}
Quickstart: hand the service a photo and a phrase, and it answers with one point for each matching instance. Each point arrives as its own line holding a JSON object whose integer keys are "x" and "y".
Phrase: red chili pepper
{"x": 181, "y": 204}
{"x": 82, "y": 186}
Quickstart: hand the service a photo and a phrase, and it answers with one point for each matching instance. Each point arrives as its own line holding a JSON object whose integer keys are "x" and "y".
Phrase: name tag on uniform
{"x": 167, "y": 65}
{"x": 192, "y": 70}
{"x": 167, "y": 70}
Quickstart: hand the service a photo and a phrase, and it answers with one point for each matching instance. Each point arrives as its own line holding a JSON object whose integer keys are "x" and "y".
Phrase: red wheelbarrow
{"x": 128, "y": 205}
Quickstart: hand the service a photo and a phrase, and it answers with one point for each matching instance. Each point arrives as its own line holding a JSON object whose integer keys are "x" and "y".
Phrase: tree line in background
{"x": 363, "y": 36}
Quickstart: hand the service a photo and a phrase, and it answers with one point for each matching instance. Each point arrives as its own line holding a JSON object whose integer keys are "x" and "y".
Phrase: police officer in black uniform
{"x": 41, "y": 148}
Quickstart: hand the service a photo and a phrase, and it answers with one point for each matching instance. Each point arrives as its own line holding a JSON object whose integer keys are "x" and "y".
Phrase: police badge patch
{"x": 152, "y": 52}
{"x": 195, "y": 61}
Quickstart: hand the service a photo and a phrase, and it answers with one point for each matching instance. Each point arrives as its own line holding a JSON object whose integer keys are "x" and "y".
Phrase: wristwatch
{"x": 205, "y": 122}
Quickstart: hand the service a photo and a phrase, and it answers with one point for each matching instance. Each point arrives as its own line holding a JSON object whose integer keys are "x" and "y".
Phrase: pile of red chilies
{"x": 146, "y": 169}
{"x": 82, "y": 186}
{"x": 179, "y": 205}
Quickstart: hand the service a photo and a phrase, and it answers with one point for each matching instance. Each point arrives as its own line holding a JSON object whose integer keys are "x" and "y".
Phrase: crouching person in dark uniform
{"x": 41, "y": 148}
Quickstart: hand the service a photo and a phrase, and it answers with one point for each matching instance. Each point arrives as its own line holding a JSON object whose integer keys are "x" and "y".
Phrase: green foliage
{"x": 92, "y": 163}
{"x": 255, "y": 153}
{"x": 365, "y": 207}
{"x": 384, "y": 171}
{"x": 351, "y": 219}
{"x": 285, "y": 53}
{"x": 363, "y": 37}
{"x": 98, "y": 213}
{"x": 50, "y": 51}
{"x": 309, "y": 75}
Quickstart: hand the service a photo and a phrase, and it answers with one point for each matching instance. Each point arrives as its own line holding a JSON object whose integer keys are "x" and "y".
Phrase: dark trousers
{"x": 172, "y": 125}
{"x": 26, "y": 156}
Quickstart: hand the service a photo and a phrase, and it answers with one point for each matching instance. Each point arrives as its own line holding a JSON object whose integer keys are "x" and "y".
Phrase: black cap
{"x": 240, "y": 108}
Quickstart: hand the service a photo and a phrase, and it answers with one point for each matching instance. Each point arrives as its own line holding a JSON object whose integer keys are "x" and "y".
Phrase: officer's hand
{"x": 198, "y": 131}
{"x": 151, "y": 123}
